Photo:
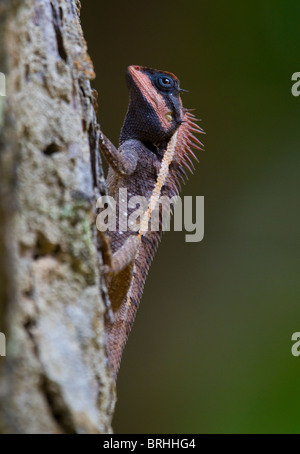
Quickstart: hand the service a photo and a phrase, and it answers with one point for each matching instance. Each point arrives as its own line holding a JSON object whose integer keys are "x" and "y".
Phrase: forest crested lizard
{"x": 155, "y": 147}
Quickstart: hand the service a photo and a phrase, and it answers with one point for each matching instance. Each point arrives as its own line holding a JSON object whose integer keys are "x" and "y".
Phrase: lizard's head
{"x": 155, "y": 109}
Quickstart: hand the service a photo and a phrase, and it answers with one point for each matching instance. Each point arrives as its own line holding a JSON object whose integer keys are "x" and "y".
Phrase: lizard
{"x": 154, "y": 149}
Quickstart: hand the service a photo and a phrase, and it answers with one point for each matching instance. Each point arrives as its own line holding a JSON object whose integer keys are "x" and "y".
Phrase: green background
{"x": 210, "y": 350}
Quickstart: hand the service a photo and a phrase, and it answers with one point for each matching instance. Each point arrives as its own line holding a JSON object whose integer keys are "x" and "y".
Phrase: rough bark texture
{"x": 54, "y": 378}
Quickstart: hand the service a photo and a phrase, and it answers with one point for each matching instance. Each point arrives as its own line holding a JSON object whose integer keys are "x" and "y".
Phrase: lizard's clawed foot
{"x": 106, "y": 270}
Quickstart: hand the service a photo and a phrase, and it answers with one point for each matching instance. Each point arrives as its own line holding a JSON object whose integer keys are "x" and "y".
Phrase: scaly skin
{"x": 154, "y": 149}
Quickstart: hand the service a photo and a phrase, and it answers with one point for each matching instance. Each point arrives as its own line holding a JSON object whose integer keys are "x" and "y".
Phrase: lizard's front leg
{"x": 123, "y": 161}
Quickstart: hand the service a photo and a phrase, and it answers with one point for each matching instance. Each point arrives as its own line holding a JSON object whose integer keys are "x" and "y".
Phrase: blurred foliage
{"x": 210, "y": 350}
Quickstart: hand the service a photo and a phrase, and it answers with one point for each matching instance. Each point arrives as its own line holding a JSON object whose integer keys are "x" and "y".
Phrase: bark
{"x": 54, "y": 378}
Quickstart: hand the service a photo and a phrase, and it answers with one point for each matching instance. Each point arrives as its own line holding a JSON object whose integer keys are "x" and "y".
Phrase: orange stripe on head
{"x": 155, "y": 99}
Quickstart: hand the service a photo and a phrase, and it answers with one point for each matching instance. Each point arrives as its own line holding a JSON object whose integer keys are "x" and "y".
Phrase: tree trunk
{"x": 54, "y": 378}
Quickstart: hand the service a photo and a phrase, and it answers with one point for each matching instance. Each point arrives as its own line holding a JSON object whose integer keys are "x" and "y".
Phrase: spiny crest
{"x": 186, "y": 140}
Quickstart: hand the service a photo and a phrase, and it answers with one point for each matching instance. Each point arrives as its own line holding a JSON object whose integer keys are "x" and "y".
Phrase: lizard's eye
{"x": 165, "y": 83}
